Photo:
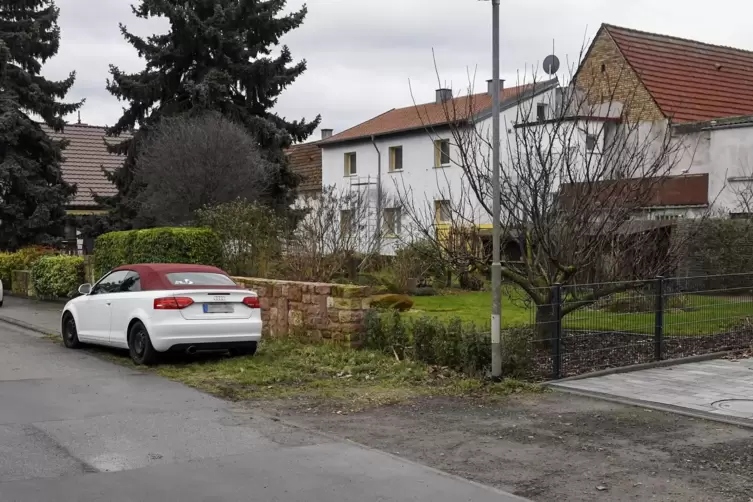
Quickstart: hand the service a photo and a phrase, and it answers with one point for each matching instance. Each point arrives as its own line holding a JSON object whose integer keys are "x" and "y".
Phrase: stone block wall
{"x": 316, "y": 311}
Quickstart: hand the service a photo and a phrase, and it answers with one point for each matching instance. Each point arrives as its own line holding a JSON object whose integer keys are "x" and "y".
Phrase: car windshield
{"x": 199, "y": 279}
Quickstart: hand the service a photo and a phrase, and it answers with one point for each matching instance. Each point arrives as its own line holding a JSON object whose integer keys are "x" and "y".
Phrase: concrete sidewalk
{"x": 42, "y": 317}
{"x": 719, "y": 389}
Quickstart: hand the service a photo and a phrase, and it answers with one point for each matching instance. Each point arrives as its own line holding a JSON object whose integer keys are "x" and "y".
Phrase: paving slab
{"x": 719, "y": 388}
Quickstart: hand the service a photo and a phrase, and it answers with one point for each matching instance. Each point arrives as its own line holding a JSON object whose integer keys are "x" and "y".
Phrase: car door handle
{"x": 109, "y": 303}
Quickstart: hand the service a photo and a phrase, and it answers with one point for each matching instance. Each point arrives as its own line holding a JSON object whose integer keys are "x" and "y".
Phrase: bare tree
{"x": 194, "y": 162}
{"x": 573, "y": 181}
{"x": 741, "y": 188}
{"x": 338, "y": 224}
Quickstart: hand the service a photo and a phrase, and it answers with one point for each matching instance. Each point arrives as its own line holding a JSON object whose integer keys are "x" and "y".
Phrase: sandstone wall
{"x": 313, "y": 310}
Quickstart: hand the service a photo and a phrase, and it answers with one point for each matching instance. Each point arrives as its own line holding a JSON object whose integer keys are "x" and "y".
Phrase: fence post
{"x": 557, "y": 342}
{"x": 659, "y": 318}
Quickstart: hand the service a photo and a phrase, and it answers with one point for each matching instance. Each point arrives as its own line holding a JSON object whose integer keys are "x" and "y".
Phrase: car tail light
{"x": 172, "y": 303}
{"x": 252, "y": 302}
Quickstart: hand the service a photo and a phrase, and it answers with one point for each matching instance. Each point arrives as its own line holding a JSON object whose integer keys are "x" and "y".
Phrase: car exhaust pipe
{"x": 191, "y": 350}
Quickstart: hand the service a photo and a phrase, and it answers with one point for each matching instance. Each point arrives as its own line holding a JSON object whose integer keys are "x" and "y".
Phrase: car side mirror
{"x": 85, "y": 289}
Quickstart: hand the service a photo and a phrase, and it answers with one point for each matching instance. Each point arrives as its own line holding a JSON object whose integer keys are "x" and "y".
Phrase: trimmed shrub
{"x": 57, "y": 276}
{"x": 7, "y": 264}
{"x": 157, "y": 245}
{"x": 20, "y": 260}
{"x": 392, "y": 301}
{"x": 455, "y": 345}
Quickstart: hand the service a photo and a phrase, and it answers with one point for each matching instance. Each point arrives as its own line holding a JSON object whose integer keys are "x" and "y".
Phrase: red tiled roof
{"x": 431, "y": 114}
{"x": 84, "y": 158}
{"x": 689, "y": 80}
{"x": 306, "y": 161}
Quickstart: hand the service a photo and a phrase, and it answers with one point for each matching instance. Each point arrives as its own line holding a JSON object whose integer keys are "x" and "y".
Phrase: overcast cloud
{"x": 365, "y": 56}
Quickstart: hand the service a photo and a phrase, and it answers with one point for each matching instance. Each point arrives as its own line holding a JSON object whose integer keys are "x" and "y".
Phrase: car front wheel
{"x": 140, "y": 345}
{"x": 70, "y": 332}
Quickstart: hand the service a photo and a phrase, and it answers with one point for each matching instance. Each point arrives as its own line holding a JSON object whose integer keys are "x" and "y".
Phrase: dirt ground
{"x": 554, "y": 446}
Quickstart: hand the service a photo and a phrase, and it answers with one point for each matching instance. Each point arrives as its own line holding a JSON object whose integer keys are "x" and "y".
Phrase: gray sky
{"x": 365, "y": 56}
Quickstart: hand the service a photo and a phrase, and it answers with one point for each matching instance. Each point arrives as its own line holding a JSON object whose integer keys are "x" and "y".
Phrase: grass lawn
{"x": 323, "y": 374}
{"x": 472, "y": 307}
{"x": 701, "y": 314}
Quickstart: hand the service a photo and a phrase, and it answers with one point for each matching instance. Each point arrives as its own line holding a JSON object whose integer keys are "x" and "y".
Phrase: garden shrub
{"x": 638, "y": 302}
{"x": 7, "y": 264}
{"x": 456, "y": 345}
{"x": 374, "y": 337}
{"x": 397, "y": 335}
{"x": 392, "y": 301}
{"x": 57, "y": 276}
{"x": 20, "y": 260}
{"x": 157, "y": 245}
{"x": 250, "y": 234}
{"x": 516, "y": 351}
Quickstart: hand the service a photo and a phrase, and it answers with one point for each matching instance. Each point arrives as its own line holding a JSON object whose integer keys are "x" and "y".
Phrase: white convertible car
{"x": 154, "y": 308}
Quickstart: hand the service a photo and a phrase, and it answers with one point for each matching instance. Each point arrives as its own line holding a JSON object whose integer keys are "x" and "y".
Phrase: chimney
{"x": 326, "y": 133}
{"x": 489, "y": 86}
{"x": 443, "y": 95}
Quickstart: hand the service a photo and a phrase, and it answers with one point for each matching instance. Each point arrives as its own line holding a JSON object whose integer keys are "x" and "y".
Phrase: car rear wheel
{"x": 70, "y": 332}
{"x": 246, "y": 350}
{"x": 140, "y": 345}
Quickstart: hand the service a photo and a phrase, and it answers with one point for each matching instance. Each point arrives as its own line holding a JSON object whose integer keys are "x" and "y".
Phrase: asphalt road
{"x": 77, "y": 428}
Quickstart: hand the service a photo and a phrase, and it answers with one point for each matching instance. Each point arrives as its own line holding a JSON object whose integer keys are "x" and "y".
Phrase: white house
{"x": 411, "y": 157}
{"x": 699, "y": 95}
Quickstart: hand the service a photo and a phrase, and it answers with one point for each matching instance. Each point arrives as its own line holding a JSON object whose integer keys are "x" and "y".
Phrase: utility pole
{"x": 496, "y": 263}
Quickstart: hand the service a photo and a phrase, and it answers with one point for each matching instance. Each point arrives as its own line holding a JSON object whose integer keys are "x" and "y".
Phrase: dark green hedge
{"x": 157, "y": 245}
{"x": 57, "y": 276}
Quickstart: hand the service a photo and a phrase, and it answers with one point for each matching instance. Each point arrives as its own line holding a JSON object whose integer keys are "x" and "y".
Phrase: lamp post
{"x": 496, "y": 262}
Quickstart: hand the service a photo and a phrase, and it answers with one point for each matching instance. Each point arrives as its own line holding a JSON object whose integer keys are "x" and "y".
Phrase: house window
{"x": 392, "y": 221}
{"x": 396, "y": 158}
{"x": 443, "y": 210}
{"x": 541, "y": 112}
{"x": 346, "y": 221}
{"x": 442, "y": 153}
{"x": 590, "y": 142}
{"x": 350, "y": 164}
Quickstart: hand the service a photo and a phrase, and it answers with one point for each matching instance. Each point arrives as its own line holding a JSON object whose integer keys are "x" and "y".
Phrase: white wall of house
{"x": 726, "y": 155}
{"x": 420, "y": 183}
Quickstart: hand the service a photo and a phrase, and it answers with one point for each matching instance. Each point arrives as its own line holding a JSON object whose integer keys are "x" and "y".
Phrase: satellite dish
{"x": 551, "y": 64}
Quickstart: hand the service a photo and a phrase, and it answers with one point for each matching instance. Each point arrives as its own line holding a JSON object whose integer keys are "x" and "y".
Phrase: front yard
{"x": 697, "y": 315}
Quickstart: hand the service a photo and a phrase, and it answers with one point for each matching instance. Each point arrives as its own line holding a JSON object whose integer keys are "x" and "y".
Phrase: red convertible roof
{"x": 152, "y": 275}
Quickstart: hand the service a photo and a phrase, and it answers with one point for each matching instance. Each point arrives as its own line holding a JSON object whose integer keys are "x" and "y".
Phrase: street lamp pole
{"x": 496, "y": 262}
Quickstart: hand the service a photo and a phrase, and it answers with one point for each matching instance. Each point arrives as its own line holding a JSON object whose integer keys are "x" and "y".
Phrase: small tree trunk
{"x": 546, "y": 325}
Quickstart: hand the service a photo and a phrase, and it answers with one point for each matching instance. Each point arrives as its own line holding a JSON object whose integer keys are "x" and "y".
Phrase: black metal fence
{"x": 590, "y": 327}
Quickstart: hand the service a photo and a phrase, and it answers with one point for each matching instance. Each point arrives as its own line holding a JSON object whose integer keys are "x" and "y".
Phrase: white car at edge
{"x": 154, "y": 308}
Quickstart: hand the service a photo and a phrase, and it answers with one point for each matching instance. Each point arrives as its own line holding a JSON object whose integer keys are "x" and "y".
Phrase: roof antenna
{"x": 551, "y": 63}
{"x": 79, "y": 117}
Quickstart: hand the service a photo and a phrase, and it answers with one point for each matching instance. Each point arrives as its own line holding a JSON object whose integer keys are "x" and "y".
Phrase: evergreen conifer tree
{"x": 218, "y": 55}
{"x": 33, "y": 193}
